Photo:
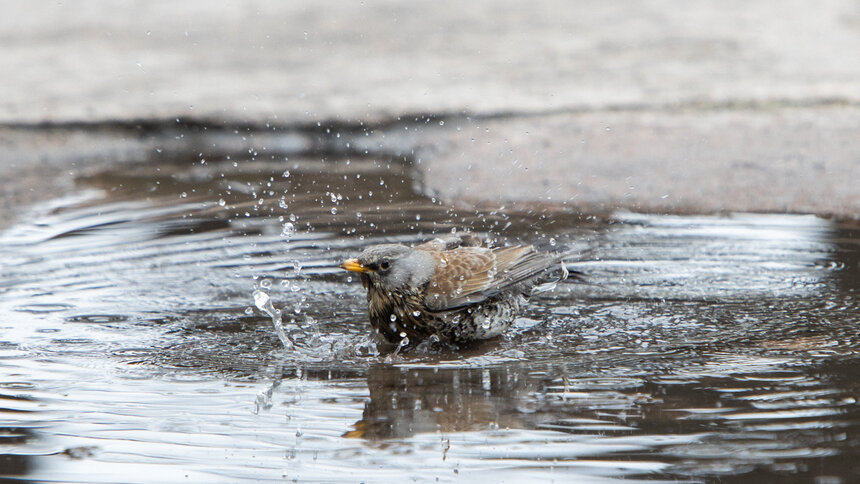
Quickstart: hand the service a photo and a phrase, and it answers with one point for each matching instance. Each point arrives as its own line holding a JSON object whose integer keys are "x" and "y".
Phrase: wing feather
{"x": 469, "y": 275}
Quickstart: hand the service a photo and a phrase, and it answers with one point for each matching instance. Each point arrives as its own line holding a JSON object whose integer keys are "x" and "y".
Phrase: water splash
{"x": 404, "y": 342}
{"x": 306, "y": 340}
{"x": 288, "y": 230}
{"x": 550, "y": 286}
{"x": 264, "y": 303}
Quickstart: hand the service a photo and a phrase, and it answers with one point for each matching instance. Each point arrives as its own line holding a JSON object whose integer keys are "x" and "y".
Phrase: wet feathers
{"x": 451, "y": 287}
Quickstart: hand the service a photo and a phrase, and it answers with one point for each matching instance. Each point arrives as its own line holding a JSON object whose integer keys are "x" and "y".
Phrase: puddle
{"x": 132, "y": 349}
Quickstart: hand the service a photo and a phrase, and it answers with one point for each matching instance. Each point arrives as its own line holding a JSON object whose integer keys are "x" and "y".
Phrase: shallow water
{"x": 701, "y": 348}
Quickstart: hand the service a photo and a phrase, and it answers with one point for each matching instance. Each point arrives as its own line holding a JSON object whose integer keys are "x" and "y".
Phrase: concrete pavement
{"x": 670, "y": 106}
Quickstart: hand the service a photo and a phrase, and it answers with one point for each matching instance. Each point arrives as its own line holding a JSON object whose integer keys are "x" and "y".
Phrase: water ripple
{"x": 700, "y": 346}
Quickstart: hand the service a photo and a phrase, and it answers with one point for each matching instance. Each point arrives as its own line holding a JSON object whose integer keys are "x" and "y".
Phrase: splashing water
{"x": 264, "y": 303}
{"x": 550, "y": 286}
{"x": 289, "y": 230}
{"x": 316, "y": 348}
{"x": 404, "y": 342}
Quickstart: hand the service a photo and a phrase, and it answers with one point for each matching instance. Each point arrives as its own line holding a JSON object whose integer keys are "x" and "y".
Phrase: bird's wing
{"x": 469, "y": 275}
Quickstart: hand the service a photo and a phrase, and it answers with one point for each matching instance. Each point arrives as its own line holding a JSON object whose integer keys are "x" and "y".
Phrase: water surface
{"x": 703, "y": 348}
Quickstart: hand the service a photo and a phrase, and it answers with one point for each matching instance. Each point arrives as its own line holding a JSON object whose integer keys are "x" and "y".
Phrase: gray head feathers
{"x": 395, "y": 266}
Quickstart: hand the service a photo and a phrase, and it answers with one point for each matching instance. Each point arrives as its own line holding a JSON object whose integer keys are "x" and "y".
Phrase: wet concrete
{"x": 696, "y": 160}
{"x": 693, "y": 160}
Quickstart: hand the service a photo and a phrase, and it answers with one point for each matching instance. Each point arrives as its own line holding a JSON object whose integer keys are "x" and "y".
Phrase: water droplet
{"x": 393, "y": 318}
{"x": 286, "y": 174}
{"x": 283, "y": 203}
{"x": 289, "y": 230}
{"x": 552, "y": 241}
{"x": 404, "y": 341}
{"x": 333, "y": 211}
{"x": 266, "y": 283}
{"x": 221, "y": 202}
{"x": 249, "y": 311}
{"x": 416, "y": 313}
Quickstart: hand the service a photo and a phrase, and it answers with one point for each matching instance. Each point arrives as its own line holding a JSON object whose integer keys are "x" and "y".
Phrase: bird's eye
{"x": 384, "y": 264}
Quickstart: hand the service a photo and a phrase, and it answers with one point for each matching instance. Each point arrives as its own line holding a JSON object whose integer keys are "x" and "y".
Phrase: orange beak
{"x": 354, "y": 266}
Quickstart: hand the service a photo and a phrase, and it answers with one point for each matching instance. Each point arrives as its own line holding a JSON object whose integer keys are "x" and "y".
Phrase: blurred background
{"x": 656, "y": 106}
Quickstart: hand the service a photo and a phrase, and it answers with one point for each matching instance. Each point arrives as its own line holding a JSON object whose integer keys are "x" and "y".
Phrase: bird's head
{"x": 393, "y": 267}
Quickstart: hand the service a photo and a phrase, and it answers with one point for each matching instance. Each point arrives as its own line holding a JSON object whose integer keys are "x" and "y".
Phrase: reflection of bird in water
{"x": 451, "y": 287}
{"x": 408, "y": 401}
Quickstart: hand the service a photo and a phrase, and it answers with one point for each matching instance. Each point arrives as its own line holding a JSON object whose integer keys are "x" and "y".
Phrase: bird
{"x": 452, "y": 287}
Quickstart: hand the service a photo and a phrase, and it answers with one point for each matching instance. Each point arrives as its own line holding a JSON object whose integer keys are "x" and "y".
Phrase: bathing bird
{"x": 453, "y": 287}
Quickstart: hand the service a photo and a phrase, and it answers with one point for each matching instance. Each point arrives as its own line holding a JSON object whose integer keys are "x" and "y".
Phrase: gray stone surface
{"x": 679, "y": 106}
{"x": 307, "y": 60}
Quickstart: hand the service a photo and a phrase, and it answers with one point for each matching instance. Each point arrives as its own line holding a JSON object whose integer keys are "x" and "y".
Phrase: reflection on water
{"x": 131, "y": 348}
